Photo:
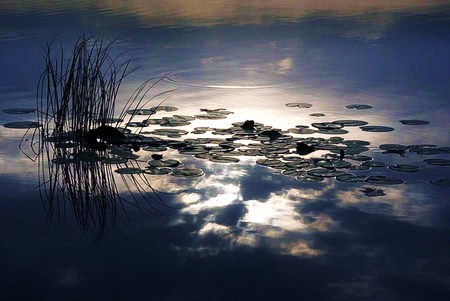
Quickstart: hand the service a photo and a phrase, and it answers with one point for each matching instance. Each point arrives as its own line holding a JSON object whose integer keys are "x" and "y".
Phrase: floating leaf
{"x": 372, "y": 192}
{"x": 441, "y": 182}
{"x": 351, "y": 122}
{"x": 19, "y": 111}
{"x": 405, "y": 168}
{"x": 383, "y": 180}
{"x": 349, "y": 178}
{"x": 374, "y": 163}
{"x": 164, "y": 163}
{"x": 22, "y": 125}
{"x": 223, "y": 159}
{"x": 358, "y": 107}
{"x": 157, "y": 171}
{"x": 393, "y": 147}
{"x": 439, "y": 162}
{"x": 317, "y": 114}
{"x": 129, "y": 171}
{"x": 414, "y": 122}
{"x": 378, "y": 129}
{"x": 323, "y": 172}
{"x": 300, "y": 105}
{"x": 187, "y": 172}
{"x": 164, "y": 108}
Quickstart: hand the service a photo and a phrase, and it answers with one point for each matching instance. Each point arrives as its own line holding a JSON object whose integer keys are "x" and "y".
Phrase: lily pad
{"x": 164, "y": 108}
{"x": 349, "y": 178}
{"x": 187, "y": 172}
{"x": 383, "y": 180}
{"x": 439, "y": 162}
{"x": 301, "y": 131}
{"x": 323, "y": 172}
{"x": 358, "y": 107}
{"x": 441, "y": 182}
{"x": 308, "y": 178}
{"x": 129, "y": 171}
{"x": 393, "y": 147}
{"x": 351, "y": 122}
{"x": 372, "y": 192}
{"x": 300, "y": 105}
{"x": 22, "y": 125}
{"x": 164, "y": 163}
{"x": 405, "y": 168}
{"x": 371, "y": 163}
{"x": 414, "y": 122}
{"x": 141, "y": 112}
{"x": 19, "y": 111}
{"x": 157, "y": 171}
{"x": 317, "y": 114}
{"x": 223, "y": 159}
{"x": 377, "y": 129}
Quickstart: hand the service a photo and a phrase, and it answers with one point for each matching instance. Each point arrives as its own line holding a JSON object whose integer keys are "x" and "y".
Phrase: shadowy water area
{"x": 229, "y": 150}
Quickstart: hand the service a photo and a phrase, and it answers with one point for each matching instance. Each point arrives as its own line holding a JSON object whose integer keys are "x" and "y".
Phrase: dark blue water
{"x": 243, "y": 231}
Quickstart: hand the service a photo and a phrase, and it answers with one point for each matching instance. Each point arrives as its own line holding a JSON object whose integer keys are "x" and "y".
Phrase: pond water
{"x": 260, "y": 220}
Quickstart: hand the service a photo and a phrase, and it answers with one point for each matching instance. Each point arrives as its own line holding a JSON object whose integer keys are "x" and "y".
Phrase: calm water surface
{"x": 244, "y": 231}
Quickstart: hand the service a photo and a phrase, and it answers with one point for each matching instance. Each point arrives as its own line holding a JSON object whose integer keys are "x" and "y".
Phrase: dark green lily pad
{"x": 164, "y": 108}
{"x": 22, "y": 125}
{"x": 323, "y": 172}
{"x": 376, "y": 129}
{"x": 141, "y": 112}
{"x": 372, "y": 192}
{"x": 19, "y": 111}
{"x": 371, "y": 163}
{"x": 383, "y": 180}
{"x": 414, "y": 122}
{"x": 292, "y": 172}
{"x": 308, "y": 178}
{"x": 223, "y": 159}
{"x": 164, "y": 163}
{"x": 317, "y": 114}
{"x": 393, "y": 147}
{"x": 440, "y": 182}
{"x": 129, "y": 171}
{"x": 187, "y": 172}
{"x": 405, "y": 168}
{"x": 157, "y": 171}
{"x": 351, "y": 122}
{"x": 349, "y": 178}
{"x": 301, "y": 131}
{"x": 439, "y": 162}
{"x": 327, "y": 125}
{"x": 300, "y": 105}
{"x": 358, "y": 107}
{"x": 332, "y": 132}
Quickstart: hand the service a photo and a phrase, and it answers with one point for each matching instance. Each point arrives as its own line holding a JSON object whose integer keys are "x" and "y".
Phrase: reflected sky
{"x": 244, "y": 231}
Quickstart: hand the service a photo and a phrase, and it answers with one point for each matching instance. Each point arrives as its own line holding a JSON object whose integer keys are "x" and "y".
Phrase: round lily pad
{"x": 302, "y": 131}
{"x": 327, "y": 125}
{"x": 141, "y": 112}
{"x": 372, "y": 192}
{"x": 414, "y": 122}
{"x": 371, "y": 163}
{"x": 223, "y": 159}
{"x": 164, "y": 108}
{"x": 317, "y": 114}
{"x": 441, "y": 182}
{"x": 323, "y": 172}
{"x": 439, "y": 162}
{"x": 383, "y": 180}
{"x": 129, "y": 171}
{"x": 405, "y": 168}
{"x": 393, "y": 147}
{"x": 358, "y": 107}
{"x": 22, "y": 125}
{"x": 308, "y": 178}
{"x": 300, "y": 105}
{"x": 157, "y": 171}
{"x": 292, "y": 172}
{"x": 377, "y": 129}
{"x": 19, "y": 111}
{"x": 187, "y": 172}
{"x": 332, "y": 131}
{"x": 349, "y": 178}
{"x": 164, "y": 163}
{"x": 351, "y": 122}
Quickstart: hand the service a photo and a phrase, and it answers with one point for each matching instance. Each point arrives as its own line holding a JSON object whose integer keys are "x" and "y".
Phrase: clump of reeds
{"x": 76, "y": 94}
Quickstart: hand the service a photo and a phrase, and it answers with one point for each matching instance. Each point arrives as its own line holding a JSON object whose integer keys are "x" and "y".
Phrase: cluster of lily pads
{"x": 275, "y": 148}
